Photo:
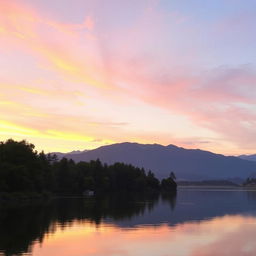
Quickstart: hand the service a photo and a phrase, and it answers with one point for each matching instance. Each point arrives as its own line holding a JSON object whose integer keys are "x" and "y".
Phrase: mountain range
{"x": 187, "y": 164}
{"x": 248, "y": 157}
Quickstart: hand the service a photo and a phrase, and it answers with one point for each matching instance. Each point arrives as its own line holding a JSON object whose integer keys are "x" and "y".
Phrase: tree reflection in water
{"x": 22, "y": 226}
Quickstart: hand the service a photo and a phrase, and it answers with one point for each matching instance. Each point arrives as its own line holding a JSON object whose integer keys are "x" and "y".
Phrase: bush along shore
{"x": 26, "y": 173}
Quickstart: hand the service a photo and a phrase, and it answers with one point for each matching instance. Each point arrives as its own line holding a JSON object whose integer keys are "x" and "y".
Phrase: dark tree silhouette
{"x": 23, "y": 170}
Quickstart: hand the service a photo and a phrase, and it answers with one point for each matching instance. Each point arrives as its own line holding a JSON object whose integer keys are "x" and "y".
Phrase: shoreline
{"x": 214, "y": 187}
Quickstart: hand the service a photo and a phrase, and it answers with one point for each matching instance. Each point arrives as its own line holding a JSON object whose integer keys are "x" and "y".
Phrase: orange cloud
{"x": 104, "y": 74}
{"x": 24, "y": 25}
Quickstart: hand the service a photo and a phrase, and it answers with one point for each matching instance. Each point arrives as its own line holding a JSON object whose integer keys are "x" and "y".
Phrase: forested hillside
{"x": 24, "y": 170}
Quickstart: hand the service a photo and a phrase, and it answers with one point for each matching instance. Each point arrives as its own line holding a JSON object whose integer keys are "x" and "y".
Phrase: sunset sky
{"x": 79, "y": 74}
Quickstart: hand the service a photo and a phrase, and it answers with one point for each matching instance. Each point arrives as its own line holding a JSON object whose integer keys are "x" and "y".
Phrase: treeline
{"x": 250, "y": 182}
{"x": 208, "y": 183}
{"x": 24, "y": 170}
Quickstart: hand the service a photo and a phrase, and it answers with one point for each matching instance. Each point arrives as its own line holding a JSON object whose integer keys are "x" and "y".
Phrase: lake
{"x": 193, "y": 222}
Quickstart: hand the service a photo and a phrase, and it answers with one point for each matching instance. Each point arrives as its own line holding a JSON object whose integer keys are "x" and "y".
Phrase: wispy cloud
{"x": 150, "y": 75}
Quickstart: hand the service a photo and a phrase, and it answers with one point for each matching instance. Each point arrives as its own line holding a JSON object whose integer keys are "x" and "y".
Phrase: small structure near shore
{"x": 250, "y": 182}
{"x": 88, "y": 193}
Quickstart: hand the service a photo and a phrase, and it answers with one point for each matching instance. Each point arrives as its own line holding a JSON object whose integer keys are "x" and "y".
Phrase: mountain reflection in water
{"x": 195, "y": 223}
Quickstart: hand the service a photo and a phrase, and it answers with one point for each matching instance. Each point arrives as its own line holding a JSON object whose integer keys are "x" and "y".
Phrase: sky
{"x": 79, "y": 74}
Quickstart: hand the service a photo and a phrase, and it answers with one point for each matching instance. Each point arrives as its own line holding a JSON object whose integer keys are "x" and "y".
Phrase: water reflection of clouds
{"x": 223, "y": 236}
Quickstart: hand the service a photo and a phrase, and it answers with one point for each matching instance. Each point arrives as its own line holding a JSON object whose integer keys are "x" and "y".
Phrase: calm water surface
{"x": 191, "y": 223}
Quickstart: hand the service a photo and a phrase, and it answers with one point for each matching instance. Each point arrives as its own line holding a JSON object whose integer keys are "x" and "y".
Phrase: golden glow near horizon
{"x": 147, "y": 72}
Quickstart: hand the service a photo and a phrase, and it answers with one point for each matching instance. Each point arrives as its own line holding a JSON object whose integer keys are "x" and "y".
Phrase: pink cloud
{"x": 132, "y": 63}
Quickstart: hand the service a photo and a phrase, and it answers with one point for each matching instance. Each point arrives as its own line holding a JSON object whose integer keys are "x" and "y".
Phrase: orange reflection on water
{"x": 228, "y": 235}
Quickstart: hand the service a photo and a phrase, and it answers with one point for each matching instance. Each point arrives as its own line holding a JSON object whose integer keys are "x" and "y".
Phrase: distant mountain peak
{"x": 248, "y": 157}
{"x": 78, "y": 151}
